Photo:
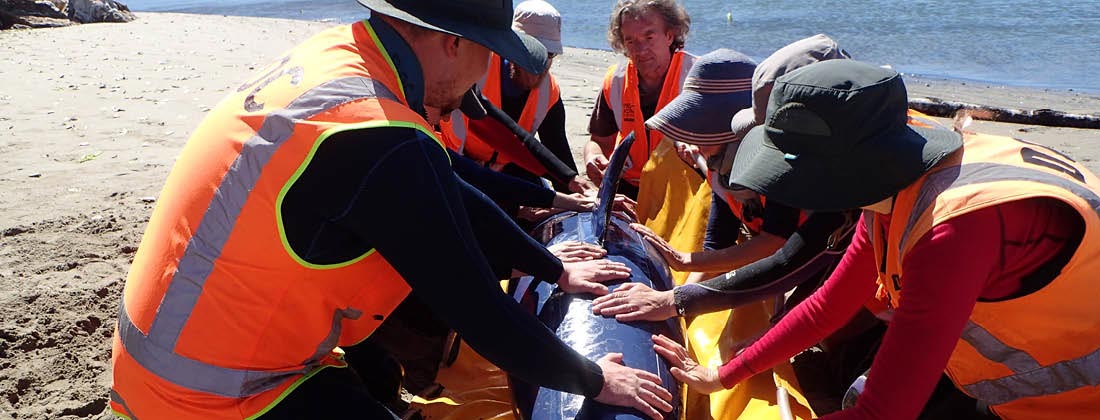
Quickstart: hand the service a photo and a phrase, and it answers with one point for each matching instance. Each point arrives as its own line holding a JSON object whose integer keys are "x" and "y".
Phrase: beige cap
{"x": 540, "y": 20}
{"x": 797, "y": 54}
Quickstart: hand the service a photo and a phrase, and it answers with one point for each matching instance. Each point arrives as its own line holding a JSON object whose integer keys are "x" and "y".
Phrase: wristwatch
{"x": 677, "y": 302}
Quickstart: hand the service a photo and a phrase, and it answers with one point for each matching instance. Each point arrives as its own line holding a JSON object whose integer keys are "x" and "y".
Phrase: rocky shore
{"x": 26, "y": 14}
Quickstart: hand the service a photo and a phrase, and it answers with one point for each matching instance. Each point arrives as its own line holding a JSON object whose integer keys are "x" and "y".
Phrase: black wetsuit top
{"x": 810, "y": 253}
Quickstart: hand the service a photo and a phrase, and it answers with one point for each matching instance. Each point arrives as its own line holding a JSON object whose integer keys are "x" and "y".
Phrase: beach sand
{"x": 91, "y": 120}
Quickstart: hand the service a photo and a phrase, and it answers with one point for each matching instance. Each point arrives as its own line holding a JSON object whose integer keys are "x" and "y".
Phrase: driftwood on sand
{"x": 1048, "y": 117}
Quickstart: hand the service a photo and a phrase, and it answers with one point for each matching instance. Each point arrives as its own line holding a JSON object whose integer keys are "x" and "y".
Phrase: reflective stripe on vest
{"x": 117, "y": 399}
{"x": 1056, "y": 378}
{"x": 154, "y": 351}
{"x": 458, "y": 119}
{"x": 458, "y": 128}
{"x": 615, "y": 94}
{"x": 542, "y": 104}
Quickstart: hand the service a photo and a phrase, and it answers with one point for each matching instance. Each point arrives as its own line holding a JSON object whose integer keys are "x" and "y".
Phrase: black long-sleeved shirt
{"x": 393, "y": 189}
{"x": 507, "y": 190}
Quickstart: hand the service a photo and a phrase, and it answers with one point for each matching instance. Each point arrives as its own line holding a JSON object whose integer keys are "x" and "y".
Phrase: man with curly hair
{"x": 651, "y": 34}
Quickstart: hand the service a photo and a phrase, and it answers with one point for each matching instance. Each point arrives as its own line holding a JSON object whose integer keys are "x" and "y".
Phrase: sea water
{"x": 1051, "y": 44}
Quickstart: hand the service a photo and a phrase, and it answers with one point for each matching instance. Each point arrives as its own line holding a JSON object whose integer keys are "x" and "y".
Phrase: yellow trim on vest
{"x": 302, "y": 168}
{"x": 120, "y": 415}
{"x": 289, "y": 389}
{"x": 385, "y": 54}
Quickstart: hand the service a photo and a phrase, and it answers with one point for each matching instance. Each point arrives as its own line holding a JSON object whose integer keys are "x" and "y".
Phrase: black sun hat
{"x": 835, "y": 137}
{"x": 486, "y": 22}
{"x": 718, "y": 85}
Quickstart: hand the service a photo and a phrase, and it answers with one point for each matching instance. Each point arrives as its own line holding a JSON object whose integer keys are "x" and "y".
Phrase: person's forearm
{"x": 502, "y": 188}
{"x": 804, "y": 257}
{"x": 810, "y": 322}
{"x": 506, "y": 246}
{"x": 735, "y": 256}
{"x": 598, "y": 146}
{"x": 723, "y": 227}
{"x": 448, "y": 271}
{"x": 945, "y": 273}
{"x": 829, "y": 308}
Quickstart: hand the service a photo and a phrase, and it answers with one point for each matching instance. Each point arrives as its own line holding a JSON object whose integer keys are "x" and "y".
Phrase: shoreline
{"x": 921, "y": 77}
{"x": 92, "y": 118}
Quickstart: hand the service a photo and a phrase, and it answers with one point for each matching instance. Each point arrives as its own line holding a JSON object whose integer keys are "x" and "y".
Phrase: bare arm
{"x": 604, "y": 129}
{"x": 719, "y": 260}
{"x": 595, "y": 156}
{"x": 698, "y": 276}
{"x": 737, "y": 256}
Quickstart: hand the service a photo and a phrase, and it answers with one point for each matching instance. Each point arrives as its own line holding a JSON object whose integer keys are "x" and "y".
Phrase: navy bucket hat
{"x": 718, "y": 85}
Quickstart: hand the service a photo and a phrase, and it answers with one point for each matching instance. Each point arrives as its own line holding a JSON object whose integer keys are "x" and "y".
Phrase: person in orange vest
{"x": 532, "y": 100}
{"x": 981, "y": 251}
{"x": 651, "y": 34}
{"x": 310, "y": 203}
{"x": 726, "y": 86}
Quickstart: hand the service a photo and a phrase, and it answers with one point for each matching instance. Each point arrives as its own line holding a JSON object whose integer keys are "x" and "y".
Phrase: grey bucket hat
{"x": 718, "y": 85}
{"x": 540, "y": 20}
{"x": 797, "y": 54}
{"x": 486, "y": 22}
{"x": 835, "y": 137}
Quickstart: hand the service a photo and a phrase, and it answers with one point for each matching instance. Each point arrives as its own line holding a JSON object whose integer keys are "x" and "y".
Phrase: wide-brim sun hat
{"x": 718, "y": 85}
{"x": 795, "y": 55}
{"x": 540, "y": 20}
{"x": 835, "y": 137}
{"x": 485, "y": 22}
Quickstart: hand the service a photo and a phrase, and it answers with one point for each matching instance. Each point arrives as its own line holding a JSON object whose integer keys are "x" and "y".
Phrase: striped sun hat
{"x": 718, "y": 85}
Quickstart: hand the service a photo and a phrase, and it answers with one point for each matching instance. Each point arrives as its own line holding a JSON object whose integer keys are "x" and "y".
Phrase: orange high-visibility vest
{"x": 620, "y": 91}
{"x": 1036, "y": 356}
{"x": 220, "y": 318}
{"x": 756, "y": 225}
{"x": 735, "y": 205}
{"x": 539, "y": 101}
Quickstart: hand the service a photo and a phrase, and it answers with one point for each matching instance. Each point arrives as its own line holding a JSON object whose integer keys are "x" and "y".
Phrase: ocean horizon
{"x": 1042, "y": 44}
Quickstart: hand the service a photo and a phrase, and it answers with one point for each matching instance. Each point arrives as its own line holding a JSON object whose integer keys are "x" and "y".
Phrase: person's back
{"x": 192, "y": 270}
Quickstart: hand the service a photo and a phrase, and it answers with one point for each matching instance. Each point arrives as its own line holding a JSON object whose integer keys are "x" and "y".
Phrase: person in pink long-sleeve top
{"x": 978, "y": 250}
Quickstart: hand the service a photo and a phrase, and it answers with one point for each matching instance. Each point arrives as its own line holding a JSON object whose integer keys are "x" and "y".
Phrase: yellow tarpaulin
{"x": 473, "y": 388}
{"x": 674, "y": 201}
{"x": 713, "y": 338}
